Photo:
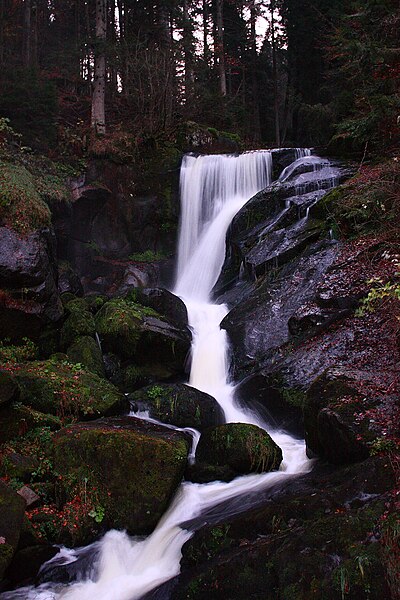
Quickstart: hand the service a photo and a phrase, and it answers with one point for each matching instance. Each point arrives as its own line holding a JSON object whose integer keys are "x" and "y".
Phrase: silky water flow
{"x": 213, "y": 189}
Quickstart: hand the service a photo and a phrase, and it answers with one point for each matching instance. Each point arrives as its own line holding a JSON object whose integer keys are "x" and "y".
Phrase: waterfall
{"x": 213, "y": 189}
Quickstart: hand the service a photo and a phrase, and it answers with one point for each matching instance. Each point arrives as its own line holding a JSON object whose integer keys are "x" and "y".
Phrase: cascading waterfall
{"x": 213, "y": 189}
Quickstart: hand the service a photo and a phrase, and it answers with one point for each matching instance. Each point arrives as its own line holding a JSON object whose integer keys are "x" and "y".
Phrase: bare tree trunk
{"x": 99, "y": 84}
{"x": 2, "y": 17}
{"x": 254, "y": 84}
{"x": 220, "y": 49}
{"x": 26, "y": 34}
{"x": 275, "y": 77}
{"x": 206, "y": 51}
{"x": 188, "y": 51}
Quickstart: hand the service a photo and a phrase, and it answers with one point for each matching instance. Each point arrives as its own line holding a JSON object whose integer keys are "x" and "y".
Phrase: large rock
{"x": 62, "y": 389}
{"x": 306, "y": 540}
{"x": 9, "y": 391}
{"x": 86, "y": 351}
{"x": 164, "y": 302}
{"x": 178, "y": 404}
{"x": 333, "y": 425}
{"x": 130, "y": 469}
{"x": 12, "y": 509}
{"x": 120, "y": 209}
{"x": 258, "y": 324}
{"x": 241, "y": 447}
{"x": 17, "y": 420}
{"x": 29, "y": 297}
{"x": 139, "y": 333}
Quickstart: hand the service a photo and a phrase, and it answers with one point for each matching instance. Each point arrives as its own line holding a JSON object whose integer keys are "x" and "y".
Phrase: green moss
{"x": 120, "y": 321}
{"x": 78, "y": 323}
{"x": 134, "y": 472}
{"x": 27, "y": 350}
{"x": 245, "y": 448}
{"x": 85, "y": 350}
{"x": 65, "y": 390}
{"x": 6, "y": 554}
{"x": 21, "y": 206}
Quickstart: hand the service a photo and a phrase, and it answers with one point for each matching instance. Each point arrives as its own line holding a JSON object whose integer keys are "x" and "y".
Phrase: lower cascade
{"x": 213, "y": 190}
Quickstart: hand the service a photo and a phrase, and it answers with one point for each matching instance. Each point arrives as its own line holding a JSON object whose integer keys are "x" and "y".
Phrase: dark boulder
{"x": 304, "y": 539}
{"x": 178, "y": 404}
{"x": 332, "y": 429}
{"x": 258, "y": 324}
{"x": 164, "y": 302}
{"x": 29, "y": 298}
{"x": 68, "y": 280}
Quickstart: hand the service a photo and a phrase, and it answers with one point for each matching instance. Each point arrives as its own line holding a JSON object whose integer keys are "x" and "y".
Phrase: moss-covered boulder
{"x": 124, "y": 469}
{"x": 85, "y": 350}
{"x": 9, "y": 391}
{"x": 12, "y": 509}
{"x": 66, "y": 390}
{"x": 17, "y": 420}
{"x": 136, "y": 332}
{"x": 179, "y": 404}
{"x": 80, "y": 322}
{"x": 241, "y": 447}
{"x": 18, "y": 466}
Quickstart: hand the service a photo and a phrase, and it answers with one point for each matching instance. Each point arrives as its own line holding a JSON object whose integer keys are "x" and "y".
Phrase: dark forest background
{"x": 325, "y": 71}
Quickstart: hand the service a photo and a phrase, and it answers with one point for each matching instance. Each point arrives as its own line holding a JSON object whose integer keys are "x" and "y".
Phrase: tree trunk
{"x": 220, "y": 49}
{"x": 26, "y": 34}
{"x": 254, "y": 84}
{"x": 188, "y": 50}
{"x": 275, "y": 77}
{"x": 206, "y": 51}
{"x": 99, "y": 84}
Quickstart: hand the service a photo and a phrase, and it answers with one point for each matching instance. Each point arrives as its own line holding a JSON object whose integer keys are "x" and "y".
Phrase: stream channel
{"x": 119, "y": 567}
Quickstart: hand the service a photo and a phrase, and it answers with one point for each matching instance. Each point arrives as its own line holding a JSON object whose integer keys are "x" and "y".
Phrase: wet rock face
{"x": 131, "y": 467}
{"x": 298, "y": 543}
{"x": 29, "y": 297}
{"x": 296, "y": 344}
{"x": 179, "y": 405}
{"x": 259, "y": 323}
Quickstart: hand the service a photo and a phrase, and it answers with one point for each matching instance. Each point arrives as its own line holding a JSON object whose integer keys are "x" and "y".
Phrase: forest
{"x": 318, "y": 70}
{"x": 199, "y": 299}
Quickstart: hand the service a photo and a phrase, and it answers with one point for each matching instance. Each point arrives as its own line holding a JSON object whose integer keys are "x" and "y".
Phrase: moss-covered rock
{"x": 21, "y": 206}
{"x": 17, "y": 420}
{"x": 9, "y": 391}
{"x": 66, "y": 390}
{"x": 85, "y": 350}
{"x": 140, "y": 333}
{"x": 129, "y": 469}
{"x": 241, "y": 447}
{"x": 179, "y": 404}
{"x": 80, "y": 322}
{"x": 12, "y": 508}
{"x": 17, "y": 466}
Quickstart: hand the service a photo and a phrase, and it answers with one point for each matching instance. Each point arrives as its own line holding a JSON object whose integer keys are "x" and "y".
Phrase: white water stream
{"x": 213, "y": 189}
